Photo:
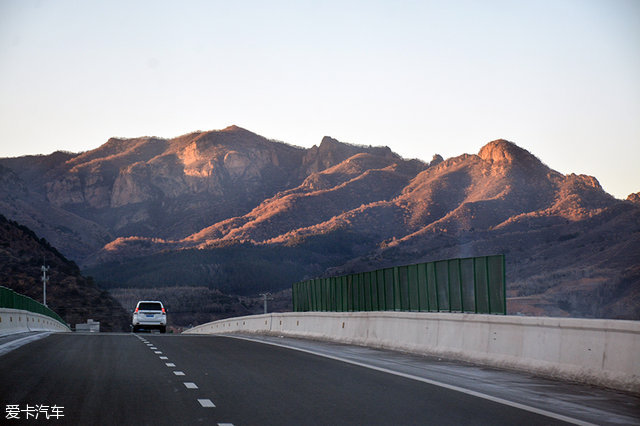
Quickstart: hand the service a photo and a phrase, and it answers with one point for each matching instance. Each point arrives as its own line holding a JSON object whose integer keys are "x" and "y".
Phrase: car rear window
{"x": 147, "y": 306}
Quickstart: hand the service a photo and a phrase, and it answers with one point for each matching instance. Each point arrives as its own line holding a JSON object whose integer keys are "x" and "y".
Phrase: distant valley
{"x": 228, "y": 214}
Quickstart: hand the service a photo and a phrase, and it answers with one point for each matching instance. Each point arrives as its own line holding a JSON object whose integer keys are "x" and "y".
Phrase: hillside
{"x": 234, "y": 212}
{"x": 159, "y": 188}
{"x": 74, "y": 297}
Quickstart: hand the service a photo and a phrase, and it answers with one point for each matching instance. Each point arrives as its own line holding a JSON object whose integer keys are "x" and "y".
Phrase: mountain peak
{"x": 500, "y": 150}
{"x": 328, "y": 140}
{"x": 233, "y": 128}
{"x": 584, "y": 181}
{"x": 437, "y": 159}
{"x": 503, "y": 151}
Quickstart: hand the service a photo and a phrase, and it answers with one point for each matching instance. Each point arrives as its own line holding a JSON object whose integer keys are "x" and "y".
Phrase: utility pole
{"x": 264, "y": 296}
{"x": 44, "y": 270}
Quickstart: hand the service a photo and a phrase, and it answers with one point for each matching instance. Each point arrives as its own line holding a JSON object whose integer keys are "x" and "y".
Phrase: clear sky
{"x": 560, "y": 78}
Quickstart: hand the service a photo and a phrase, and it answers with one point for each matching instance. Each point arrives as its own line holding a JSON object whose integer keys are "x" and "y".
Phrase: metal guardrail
{"x": 474, "y": 285}
{"x": 12, "y": 300}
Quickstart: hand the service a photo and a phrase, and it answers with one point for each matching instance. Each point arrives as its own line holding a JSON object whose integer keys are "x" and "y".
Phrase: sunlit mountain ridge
{"x": 234, "y": 211}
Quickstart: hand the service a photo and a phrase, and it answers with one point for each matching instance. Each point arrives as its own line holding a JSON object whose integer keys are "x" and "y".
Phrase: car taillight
{"x": 136, "y": 310}
{"x": 163, "y": 312}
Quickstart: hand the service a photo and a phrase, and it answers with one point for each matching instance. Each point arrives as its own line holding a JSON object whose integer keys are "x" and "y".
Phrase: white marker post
{"x": 44, "y": 270}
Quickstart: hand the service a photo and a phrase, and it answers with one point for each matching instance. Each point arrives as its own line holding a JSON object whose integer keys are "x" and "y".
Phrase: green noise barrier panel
{"x": 471, "y": 285}
{"x": 12, "y": 300}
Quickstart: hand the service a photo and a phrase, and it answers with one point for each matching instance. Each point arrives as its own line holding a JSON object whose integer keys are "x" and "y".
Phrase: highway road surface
{"x": 152, "y": 379}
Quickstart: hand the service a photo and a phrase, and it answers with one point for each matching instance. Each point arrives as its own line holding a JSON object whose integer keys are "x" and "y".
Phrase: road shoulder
{"x": 571, "y": 402}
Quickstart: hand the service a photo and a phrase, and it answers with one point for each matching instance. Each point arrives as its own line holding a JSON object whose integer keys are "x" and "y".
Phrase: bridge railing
{"x": 12, "y": 300}
{"x": 471, "y": 285}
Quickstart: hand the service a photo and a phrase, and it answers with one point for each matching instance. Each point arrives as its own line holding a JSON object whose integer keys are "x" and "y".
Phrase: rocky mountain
{"x": 74, "y": 297}
{"x": 233, "y": 211}
{"x": 160, "y": 188}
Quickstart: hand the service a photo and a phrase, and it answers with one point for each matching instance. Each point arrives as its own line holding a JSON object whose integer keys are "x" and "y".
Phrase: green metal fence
{"x": 475, "y": 284}
{"x": 11, "y": 299}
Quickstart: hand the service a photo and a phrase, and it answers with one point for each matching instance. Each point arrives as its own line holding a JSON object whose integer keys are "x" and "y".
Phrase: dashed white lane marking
{"x": 206, "y": 403}
{"x": 157, "y": 352}
{"x": 225, "y": 424}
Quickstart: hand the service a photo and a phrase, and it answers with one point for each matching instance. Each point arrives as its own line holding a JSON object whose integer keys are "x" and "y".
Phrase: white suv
{"x": 149, "y": 314}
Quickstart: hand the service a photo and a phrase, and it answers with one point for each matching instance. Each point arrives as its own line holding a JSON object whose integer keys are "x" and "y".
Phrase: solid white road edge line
{"x": 15, "y": 344}
{"x": 429, "y": 381}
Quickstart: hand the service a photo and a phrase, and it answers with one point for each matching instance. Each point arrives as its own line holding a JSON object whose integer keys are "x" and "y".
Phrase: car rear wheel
{"x": 163, "y": 329}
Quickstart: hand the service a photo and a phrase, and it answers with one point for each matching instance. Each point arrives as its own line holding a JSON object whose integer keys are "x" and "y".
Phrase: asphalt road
{"x": 120, "y": 379}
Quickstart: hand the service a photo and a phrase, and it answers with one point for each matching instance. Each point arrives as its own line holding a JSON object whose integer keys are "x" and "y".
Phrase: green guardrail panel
{"x": 12, "y": 300}
{"x": 474, "y": 284}
{"x": 467, "y": 283}
{"x": 455, "y": 290}
{"x": 482, "y": 285}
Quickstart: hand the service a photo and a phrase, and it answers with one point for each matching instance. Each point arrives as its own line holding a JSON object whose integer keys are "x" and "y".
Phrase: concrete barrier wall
{"x": 19, "y": 321}
{"x": 598, "y": 352}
